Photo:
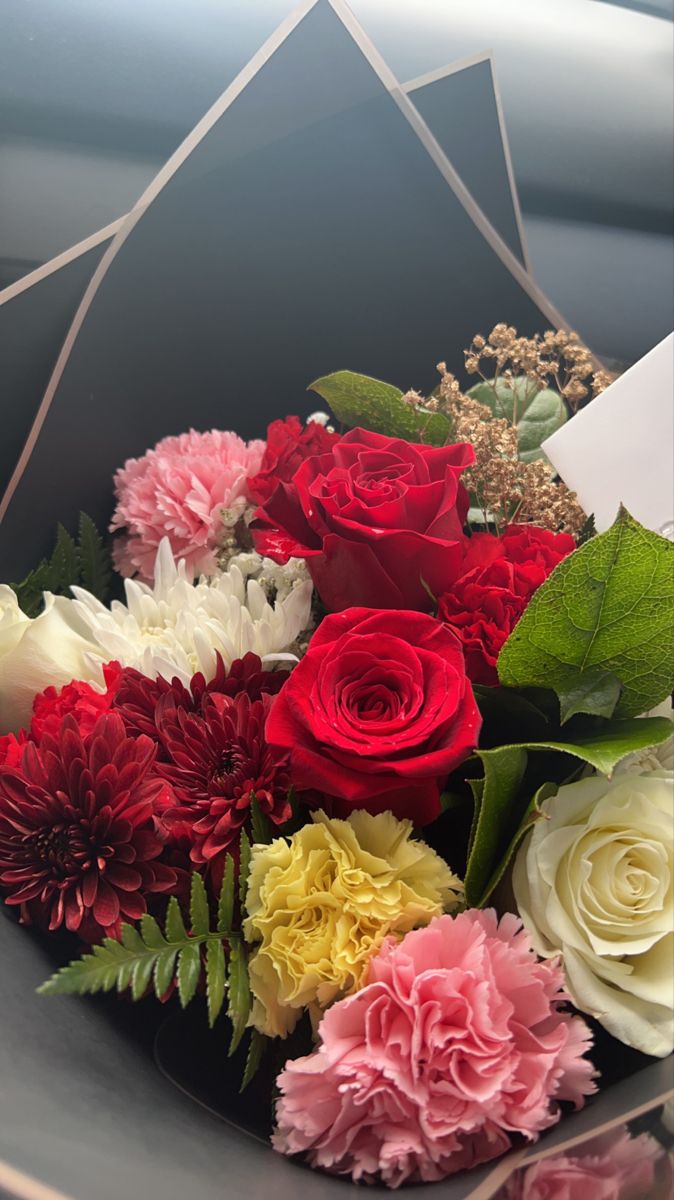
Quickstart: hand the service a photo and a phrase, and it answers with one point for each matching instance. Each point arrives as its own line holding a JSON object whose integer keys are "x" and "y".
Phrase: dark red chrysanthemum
{"x": 217, "y": 759}
{"x": 137, "y": 697}
{"x": 78, "y": 844}
{"x": 85, "y": 702}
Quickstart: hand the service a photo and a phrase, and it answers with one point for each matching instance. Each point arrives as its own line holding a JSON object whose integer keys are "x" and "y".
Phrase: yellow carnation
{"x": 321, "y": 903}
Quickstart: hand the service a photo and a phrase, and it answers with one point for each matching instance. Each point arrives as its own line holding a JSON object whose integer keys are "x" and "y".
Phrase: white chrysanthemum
{"x": 176, "y": 627}
{"x": 276, "y": 580}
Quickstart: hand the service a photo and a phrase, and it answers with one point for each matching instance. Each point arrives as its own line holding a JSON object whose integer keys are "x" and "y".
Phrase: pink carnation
{"x": 456, "y": 1042}
{"x": 178, "y": 491}
{"x": 613, "y": 1166}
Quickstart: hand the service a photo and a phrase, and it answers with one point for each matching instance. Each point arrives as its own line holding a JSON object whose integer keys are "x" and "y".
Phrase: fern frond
{"x": 87, "y": 562}
{"x": 256, "y": 1048}
{"x": 95, "y": 569}
{"x": 147, "y": 957}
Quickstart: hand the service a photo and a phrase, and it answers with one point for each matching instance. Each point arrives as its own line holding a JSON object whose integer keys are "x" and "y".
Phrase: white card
{"x": 620, "y": 449}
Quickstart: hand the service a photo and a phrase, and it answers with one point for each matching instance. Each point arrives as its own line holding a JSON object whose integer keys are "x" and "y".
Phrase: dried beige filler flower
{"x": 556, "y": 359}
{"x": 503, "y": 488}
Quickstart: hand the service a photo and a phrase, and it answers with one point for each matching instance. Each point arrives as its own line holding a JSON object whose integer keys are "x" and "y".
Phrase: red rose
{"x": 377, "y": 713}
{"x": 379, "y": 521}
{"x": 486, "y": 603}
{"x": 289, "y": 442}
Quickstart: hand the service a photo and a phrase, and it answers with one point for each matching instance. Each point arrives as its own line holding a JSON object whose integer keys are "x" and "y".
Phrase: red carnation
{"x": 486, "y": 603}
{"x": 81, "y": 699}
{"x": 217, "y": 760}
{"x": 289, "y": 442}
{"x": 77, "y": 839}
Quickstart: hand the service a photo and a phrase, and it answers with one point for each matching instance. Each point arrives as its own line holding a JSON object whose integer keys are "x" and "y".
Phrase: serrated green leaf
{"x": 64, "y": 566}
{"x": 95, "y": 563}
{"x": 239, "y": 993}
{"x": 199, "y": 914}
{"x": 189, "y": 970}
{"x": 503, "y": 774}
{"x": 215, "y": 979}
{"x": 175, "y": 928}
{"x": 141, "y": 976}
{"x": 595, "y": 692}
{"x": 226, "y": 900}
{"x": 536, "y": 412}
{"x": 29, "y": 592}
{"x": 260, "y": 826}
{"x": 359, "y": 400}
{"x": 244, "y": 866}
{"x": 256, "y": 1049}
{"x": 151, "y": 933}
{"x": 131, "y": 939}
{"x": 609, "y": 606}
{"x": 163, "y": 970}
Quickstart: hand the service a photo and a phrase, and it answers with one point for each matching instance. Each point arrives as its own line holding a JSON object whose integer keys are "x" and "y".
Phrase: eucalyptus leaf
{"x": 536, "y": 412}
{"x": 360, "y": 401}
{"x": 609, "y": 606}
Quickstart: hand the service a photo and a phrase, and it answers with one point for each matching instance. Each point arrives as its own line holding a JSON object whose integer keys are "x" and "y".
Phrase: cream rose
{"x": 594, "y": 882}
{"x": 52, "y": 649}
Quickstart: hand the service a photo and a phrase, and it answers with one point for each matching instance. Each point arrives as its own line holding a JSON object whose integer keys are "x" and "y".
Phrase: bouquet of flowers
{"x": 359, "y": 762}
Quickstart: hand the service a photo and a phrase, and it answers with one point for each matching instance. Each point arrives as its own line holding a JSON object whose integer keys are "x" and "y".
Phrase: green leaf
{"x": 536, "y": 412}
{"x": 164, "y": 968}
{"x": 359, "y": 400}
{"x": 215, "y": 979}
{"x": 141, "y": 976}
{"x": 530, "y": 815}
{"x": 244, "y": 866}
{"x": 199, "y": 915}
{"x": 608, "y": 606}
{"x": 259, "y": 824}
{"x": 175, "y": 928}
{"x": 239, "y": 993}
{"x": 151, "y": 933}
{"x": 606, "y": 745}
{"x": 503, "y": 798}
{"x": 145, "y": 956}
{"x": 64, "y": 564}
{"x": 189, "y": 970}
{"x": 495, "y": 799}
{"x": 595, "y": 692}
{"x": 226, "y": 900}
{"x": 256, "y": 1049}
{"x": 94, "y": 559}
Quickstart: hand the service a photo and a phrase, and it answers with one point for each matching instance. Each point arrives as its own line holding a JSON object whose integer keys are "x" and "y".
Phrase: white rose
{"x": 593, "y": 882}
{"x": 52, "y": 649}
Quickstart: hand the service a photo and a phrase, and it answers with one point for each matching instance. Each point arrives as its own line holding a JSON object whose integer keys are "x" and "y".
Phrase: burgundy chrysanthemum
{"x": 217, "y": 760}
{"x": 137, "y": 697}
{"x": 78, "y": 844}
